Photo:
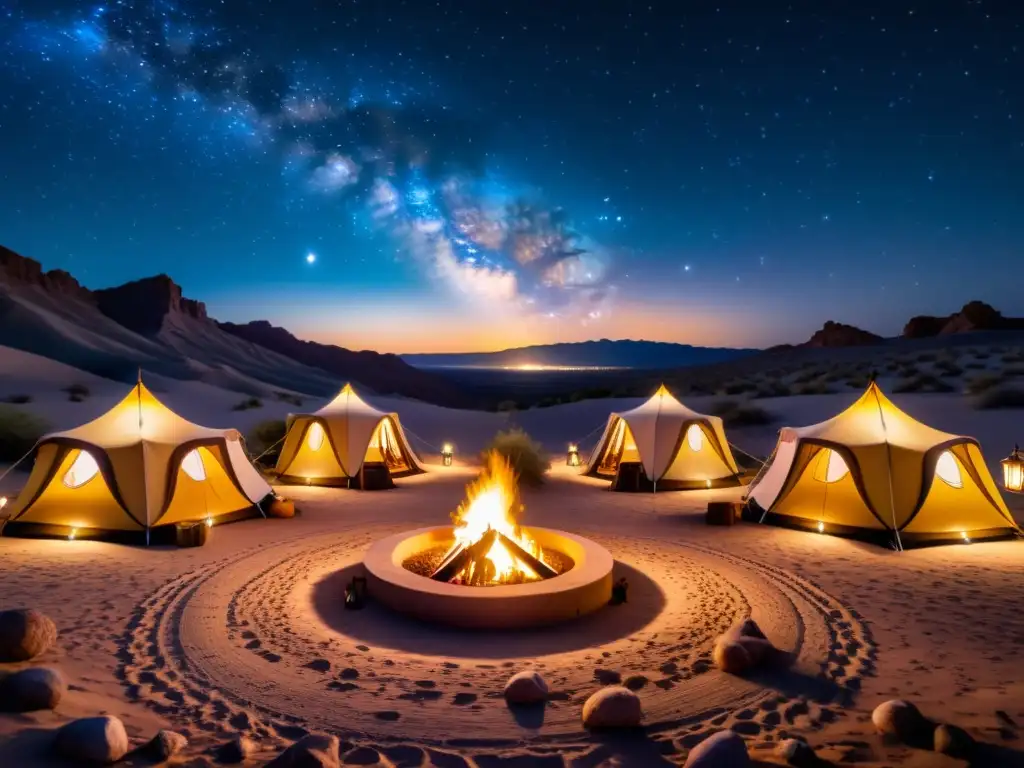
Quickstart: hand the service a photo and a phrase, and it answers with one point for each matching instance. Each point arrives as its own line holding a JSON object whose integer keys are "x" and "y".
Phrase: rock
{"x": 612, "y": 707}
{"x": 313, "y": 751}
{"x": 725, "y": 749}
{"x": 902, "y": 720}
{"x": 283, "y": 508}
{"x": 94, "y": 740}
{"x": 744, "y": 648}
{"x": 834, "y": 334}
{"x": 953, "y": 741}
{"x": 24, "y": 634}
{"x": 31, "y": 689}
{"x": 526, "y": 688}
{"x": 236, "y": 750}
{"x": 165, "y": 745}
{"x": 973, "y": 316}
{"x": 797, "y": 753}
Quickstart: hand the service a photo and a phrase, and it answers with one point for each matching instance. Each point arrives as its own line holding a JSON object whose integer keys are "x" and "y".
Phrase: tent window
{"x": 83, "y": 469}
{"x": 315, "y": 436}
{"x": 192, "y": 465}
{"x": 948, "y": 471}
{"x": 830, "y": 467}
{"x": 695, "y": 438}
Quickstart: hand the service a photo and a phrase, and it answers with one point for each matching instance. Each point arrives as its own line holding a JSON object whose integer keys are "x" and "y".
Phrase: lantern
{"x": 447, "y": 452}
{"x": 572, "y": 456}
{"x": 3, "y": 502}
{"x": 1013, "y": 471}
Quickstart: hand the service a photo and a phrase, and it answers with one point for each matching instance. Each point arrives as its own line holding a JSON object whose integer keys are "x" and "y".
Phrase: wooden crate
{"x": 723, "y": 512}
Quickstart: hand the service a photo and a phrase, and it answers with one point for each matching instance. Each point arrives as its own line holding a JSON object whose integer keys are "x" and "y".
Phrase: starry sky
{"x": 446, "y": 175}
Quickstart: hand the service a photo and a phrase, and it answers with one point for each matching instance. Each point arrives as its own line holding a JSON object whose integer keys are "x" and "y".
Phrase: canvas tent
{"x": 873, "y": 471}
{"x": 136, "y": 469}
{"x": 663, "y": 445}
{"x": 346, "y": 443}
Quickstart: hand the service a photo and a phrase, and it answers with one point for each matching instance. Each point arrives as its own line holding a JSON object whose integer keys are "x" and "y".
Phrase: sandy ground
{"x": 248, "y": 635}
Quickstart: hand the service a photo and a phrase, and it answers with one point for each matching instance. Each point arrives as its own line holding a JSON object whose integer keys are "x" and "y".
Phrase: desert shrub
{"x": 773, "y": 389}
{"x": 18, "y": 399}
{"x": 816, "y": 387}
{"x": 738, "y": 387}
{"x": 983, "y": 383}
{"x": 288, "y": 397}
{"x": 736, "y": 413}
{"x": 508, "y": 406}
{"x": 527, "y": 457}
{"x": 264, "y": 435}
{"x": 974, "y": 365}
{"x": 1014, "y": 356}
{"x": 908, "y": 371}
{"x": 1013, "y": 371}
{"x": 19, "y": 431}
{"x": 927, "y": 357}
{"x": 948, "y": 368}
{"x": 804, "y": 376}
{"x": 859, "y": 381}
{"x": 923, "y": 382}
{"x": 247, "y": 404}
{"x": 982, "y": 354}
{"x": 1000, "y": 397}
{"x": 77, "y": 392}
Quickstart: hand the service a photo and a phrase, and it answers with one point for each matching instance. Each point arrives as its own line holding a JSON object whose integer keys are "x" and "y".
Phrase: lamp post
{"x": 1013, "y": 471}
{"x": 572, "y": 456}
{"x": 447, "y": 452}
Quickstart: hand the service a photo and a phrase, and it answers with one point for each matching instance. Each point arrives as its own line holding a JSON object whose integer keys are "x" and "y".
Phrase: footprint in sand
{"x": 462, "y": 699}
{"x": 319, "y": 665}
{"x": 426, "y": 684}
{"x": 388, "y": 715}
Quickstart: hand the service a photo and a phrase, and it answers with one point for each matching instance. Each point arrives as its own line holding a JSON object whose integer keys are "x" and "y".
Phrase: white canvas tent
{"x": 136, "y": 468}
{"x": 663, "y": 445}
{"x": 346, "y": 443}
{"x": 874, "y": 471}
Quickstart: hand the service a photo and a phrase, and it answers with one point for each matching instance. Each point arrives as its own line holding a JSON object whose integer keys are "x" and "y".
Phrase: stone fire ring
{"x": 582, "y": 589}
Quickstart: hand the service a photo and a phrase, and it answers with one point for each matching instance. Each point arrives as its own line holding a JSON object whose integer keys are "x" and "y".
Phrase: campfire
{"x": 490, "y": 547}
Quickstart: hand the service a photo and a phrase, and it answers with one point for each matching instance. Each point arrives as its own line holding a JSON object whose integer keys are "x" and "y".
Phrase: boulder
{"x": 235, "y": 751}
{"x": 612, "y": 707}
{"x": 797, "y": 753}
{"x": 725, "y": 749}
{"x": 744, "y": 648}
{"x": 902, "y": 720}
{"x": 165, "y": 745}
{"x": 31, "y": 689}
{"x": 953, "y": 741}
{"x": 283, "y": 508}
{"x": 526, "y": 687}
{"x": 93, "y": 740}
{"x": 313, "y": 751}
{"x": 24, "y": 634}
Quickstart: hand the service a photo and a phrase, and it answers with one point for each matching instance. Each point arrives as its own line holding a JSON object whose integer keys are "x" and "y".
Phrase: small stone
{"x": 316, "y": 750}
{"x": 24, "y": 634}
{"x": 612, "y": 707}
{"x": 166, "y": 744}
{"x": 731, "y": 657}
{"x": 902, "y": 720}
{"x": 725, "y": 749}
{"x": 953, "y": 741}
{"x": 95, "y": 740}
{"x": 236, "y": 750}
{"x": 526, "y": 687}
{"x": 29, "y": 690}
{"x": 744, "y": 648}
{"x": 797, "y": 753}
{"x": 349, "y": 674}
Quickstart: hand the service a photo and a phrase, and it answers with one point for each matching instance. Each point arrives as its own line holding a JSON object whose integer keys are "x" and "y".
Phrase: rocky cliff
{"x": 834, "y": 334}
{"x": 142, "y": 305}
{"x": 973, "y": 316}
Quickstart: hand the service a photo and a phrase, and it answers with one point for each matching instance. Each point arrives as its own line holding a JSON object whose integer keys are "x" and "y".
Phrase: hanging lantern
{"x": 1013, "y": 471}
{"x": 572, "y": 456}
{"x": 447, "y": 453}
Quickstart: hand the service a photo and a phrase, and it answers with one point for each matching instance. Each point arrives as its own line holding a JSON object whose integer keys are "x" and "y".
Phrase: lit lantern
{"x": 572, "y": 457}
{"x": 3, "y": 502}
{"x": 1013, "y": 471}
{"x": 447, "y": 453}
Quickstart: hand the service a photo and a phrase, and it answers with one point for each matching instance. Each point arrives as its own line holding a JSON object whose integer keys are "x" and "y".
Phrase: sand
{"x": 248, "y": 634}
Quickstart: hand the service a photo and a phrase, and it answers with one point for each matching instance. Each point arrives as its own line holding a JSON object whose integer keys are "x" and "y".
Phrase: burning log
{"x": 461, "y": 556}
{"x": 538, "y": 566}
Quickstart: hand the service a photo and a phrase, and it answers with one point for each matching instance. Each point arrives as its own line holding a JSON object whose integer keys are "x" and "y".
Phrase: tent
{"x": 873, "y": 471}
{"x": 663, "y": 445}
{"x": 137, "y": 469}
{"x": 346, "y": 443}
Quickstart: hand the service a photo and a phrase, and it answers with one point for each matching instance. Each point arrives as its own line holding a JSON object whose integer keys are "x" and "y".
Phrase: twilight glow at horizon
{"x": 455, "y": 180}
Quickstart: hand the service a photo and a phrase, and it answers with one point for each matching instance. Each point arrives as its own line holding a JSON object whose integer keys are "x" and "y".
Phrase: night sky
{"x": 454, "y": 175}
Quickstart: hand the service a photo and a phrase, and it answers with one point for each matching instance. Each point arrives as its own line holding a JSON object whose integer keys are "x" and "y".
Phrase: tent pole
{"x": 888, "y": 455}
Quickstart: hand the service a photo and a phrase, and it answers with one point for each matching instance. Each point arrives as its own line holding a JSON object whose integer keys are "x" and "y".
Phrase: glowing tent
{"x": 663, "y": 445}
{"x": 875, "y": 472}
{"x": 136, "y": 468}
{"x": 346, "y": 443}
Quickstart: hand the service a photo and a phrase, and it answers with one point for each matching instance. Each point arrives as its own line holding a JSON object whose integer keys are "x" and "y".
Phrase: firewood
{"x": 541, "y": 568}
{"x": 451, "y": 567}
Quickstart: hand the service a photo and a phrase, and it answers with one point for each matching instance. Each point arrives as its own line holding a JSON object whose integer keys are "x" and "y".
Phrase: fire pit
{"x": 486, "y": 570}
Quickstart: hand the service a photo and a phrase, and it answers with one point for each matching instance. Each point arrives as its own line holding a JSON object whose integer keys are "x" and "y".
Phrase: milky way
{"x": 382, "y": 150}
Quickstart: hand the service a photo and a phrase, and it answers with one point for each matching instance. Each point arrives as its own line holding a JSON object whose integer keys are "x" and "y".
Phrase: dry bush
{"x": 288, "y": 397}
{"x": 999, "y": 398}
{"x": 247, "y": 404}
{"x": 1012, "y": 371}
{"x": 923, "y": 382}
{"x": 77, "y": 392}
{"x": 19, "y": 431}
{"x": 18, "y": 399}
{"x": 806, "y": 375}
{"x": 974, "y": 365}
{"x": 737, "y": 413}
{"x": 527, "y": 457}
{"x": 264, "y": 435}
{"x": 927, "y": 357}
{"x": 773, "y": 389}
{"x": 983, "y": 383}
{"x": 816, "y": 387}
{"x": 948, "y": 368}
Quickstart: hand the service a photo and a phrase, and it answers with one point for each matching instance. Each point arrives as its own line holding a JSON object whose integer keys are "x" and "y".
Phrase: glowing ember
{"x": 490, "y": 546}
